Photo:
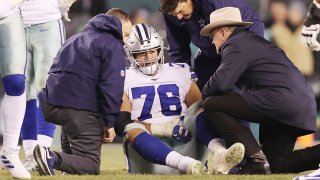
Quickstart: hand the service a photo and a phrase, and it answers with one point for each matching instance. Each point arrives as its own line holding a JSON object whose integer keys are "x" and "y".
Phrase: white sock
{"x": 172, "y": 159}
{"x": 216, "y": 146}
{"x": 28, "y": 146}
{"x": 13, "y": 110}
{"x": 215, "y": 143}
{"x": 184, "y": 163}
{"x": 164, "y": 129}
{"x": 178, "y": 161}
{"x": 45, "y": 141}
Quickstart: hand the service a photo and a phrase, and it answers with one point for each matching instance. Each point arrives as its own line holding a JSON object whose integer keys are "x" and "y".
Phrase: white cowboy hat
{"x": 223, "y": 17}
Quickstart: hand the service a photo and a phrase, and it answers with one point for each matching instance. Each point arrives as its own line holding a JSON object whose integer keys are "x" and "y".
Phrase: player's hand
{"x": 64, "y": 6}
{"x": 65, "y": 17}
{"x": 109, "y": 135}
{"x": 181, "y": 134}
{"x": 310, "y": 34}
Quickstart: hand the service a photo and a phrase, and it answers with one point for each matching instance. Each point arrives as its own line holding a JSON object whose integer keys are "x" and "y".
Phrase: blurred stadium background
{"x": 283, "y": 22}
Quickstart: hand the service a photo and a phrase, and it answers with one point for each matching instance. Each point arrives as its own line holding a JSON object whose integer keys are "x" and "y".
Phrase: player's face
{"x": 183, "y": 10}
{"x": 126, "y": 30}
{"x": 144, "y": 58}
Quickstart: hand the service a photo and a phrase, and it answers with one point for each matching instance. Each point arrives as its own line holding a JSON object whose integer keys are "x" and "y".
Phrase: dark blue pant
{"x": 81, "y": 138}
{"x": 277, "y": 139}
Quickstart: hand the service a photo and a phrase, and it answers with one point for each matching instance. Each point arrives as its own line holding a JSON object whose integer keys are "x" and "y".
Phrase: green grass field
{"x": 113, "y": 167}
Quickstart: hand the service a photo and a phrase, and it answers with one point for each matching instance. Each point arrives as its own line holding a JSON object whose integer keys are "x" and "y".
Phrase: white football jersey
{"x": 8, "y": 7}
{"x": 39, "y": 11}
{"x": 159, "y": 98}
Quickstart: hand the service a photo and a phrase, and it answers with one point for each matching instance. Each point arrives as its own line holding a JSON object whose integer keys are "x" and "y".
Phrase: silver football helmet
{"x": 145, "y": 38}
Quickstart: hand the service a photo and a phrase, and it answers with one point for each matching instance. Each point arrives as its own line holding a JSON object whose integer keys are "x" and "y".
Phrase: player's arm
{"x": 126, "y": 104}
{"x": 130, "y": 127}
{"x": 171, "y": 129}
{"x": 126, "y": 125}
{"x": 193, "y": 95}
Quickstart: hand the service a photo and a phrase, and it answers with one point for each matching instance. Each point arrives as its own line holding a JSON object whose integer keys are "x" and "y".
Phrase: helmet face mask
{"x": 144, "y": 49}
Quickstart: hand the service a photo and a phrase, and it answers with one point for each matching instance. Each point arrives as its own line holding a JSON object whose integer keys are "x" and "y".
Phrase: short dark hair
{"x": 167, "y": 6}
{"x": 123, "y": 16}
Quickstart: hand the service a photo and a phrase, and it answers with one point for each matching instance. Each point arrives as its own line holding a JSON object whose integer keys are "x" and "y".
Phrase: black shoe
{"x": 252, "y": 167}
{"x": 45, "y": 159}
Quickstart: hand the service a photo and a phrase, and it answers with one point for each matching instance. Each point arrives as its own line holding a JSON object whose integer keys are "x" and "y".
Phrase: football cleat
{"x": 45, "y": 159}
{"x": 225, "y": 159}
{"x": 312, "y": 176}
{"x": 2, "y": 165}
{"x": 196, "y": 168}
{"x": 10, "y": 159}
{"x": 30, "y": 164}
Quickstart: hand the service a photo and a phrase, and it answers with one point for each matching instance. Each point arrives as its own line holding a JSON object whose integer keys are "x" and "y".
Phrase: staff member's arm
{"x": 178, "y": 40}
{"x": 111, "y": 85}
{"x": 232, "y": 67}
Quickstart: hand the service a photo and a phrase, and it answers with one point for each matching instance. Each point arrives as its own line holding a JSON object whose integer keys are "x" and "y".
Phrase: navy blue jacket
{"x": 88, "y": 71}
{"x": 283, "y": 94}
{"x": 181, "y": 33}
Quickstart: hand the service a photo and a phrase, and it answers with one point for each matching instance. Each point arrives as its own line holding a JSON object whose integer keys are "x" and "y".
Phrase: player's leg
{"x": 205, "y": 135}
{"x": 194, "y": 148}
{"x": 29, "y": 134}
{"x": 228, "y": 108}
{"x": 157, "y": 152}
{"x": 136, "y": 164}
{"x": 29, "y": 126}
{"x": 12, "y": 64}
{"x": 47, "y": 39}
{"x": 223, "y": 159}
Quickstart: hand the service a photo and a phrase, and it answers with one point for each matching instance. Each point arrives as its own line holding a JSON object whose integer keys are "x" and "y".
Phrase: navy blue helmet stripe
{"x": 139, "y": 34}
{"x": 145, "y": 30}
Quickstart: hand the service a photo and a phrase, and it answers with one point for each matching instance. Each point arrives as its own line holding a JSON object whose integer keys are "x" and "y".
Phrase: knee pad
{"x": 14, "y": 84}
{"x": 134, "y": 126}
{"x": 123, "y": 119}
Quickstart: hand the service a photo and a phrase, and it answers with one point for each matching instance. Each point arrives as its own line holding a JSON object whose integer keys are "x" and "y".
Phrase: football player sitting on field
{"x": 160, "y": 110}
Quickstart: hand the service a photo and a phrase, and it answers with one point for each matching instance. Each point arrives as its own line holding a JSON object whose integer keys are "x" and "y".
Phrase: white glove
{"x": 310, "y": 35}
{"x": 64, "y": 6}
{"x": 65, "y": 17}
{"x": 164, "y": 129}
